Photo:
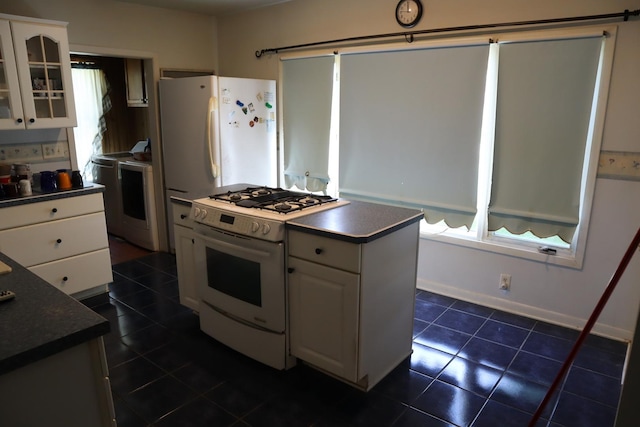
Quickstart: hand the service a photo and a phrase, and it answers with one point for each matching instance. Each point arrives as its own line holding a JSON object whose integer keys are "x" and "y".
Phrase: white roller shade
{"x": 410, "y": 125}
{"x": 307, "y": 85}
{"x": 544, "y": 104}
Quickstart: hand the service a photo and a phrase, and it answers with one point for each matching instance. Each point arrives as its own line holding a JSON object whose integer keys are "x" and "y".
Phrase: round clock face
{"x": 408, "y": 12}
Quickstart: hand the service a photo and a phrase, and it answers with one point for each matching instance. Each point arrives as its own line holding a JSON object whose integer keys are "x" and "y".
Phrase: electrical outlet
{"x": 55, "y": 150}
{"x": 505, "y": 282}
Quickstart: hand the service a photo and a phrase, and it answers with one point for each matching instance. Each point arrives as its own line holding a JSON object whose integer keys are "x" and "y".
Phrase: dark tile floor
{"x": 471, "y": 366}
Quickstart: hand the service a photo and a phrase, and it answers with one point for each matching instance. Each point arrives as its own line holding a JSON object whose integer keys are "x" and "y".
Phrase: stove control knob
{"x": 255, "y": 227}
{"x": 196, "y": 212}
{"x": 266, "y": 228}
{"x": 204, "y": 213}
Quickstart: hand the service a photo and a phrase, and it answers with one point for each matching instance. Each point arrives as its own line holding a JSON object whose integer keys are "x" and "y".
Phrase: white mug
{"x": 25, "y": 187}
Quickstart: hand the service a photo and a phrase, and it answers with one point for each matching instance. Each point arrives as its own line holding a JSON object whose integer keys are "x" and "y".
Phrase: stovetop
{"x": 273, "y": 199}
{"x": 259, "y": 212}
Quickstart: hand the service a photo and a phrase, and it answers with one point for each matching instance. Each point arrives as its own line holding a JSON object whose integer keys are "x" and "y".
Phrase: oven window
{"x": 234, "y": 276}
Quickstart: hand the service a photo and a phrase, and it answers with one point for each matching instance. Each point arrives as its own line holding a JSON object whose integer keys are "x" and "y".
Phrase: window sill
{"x": 562, "y": 258}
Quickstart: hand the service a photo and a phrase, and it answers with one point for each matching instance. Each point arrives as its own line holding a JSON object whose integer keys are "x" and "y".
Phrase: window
{"x": 91, "y": 88}
{"x": 496, "y": 140}
{"x": 306, "y": 93}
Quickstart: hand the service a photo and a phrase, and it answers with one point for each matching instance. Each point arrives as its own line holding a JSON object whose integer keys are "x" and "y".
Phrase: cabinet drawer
{"x": 36, "y": 244}
{"x": 78, "y": 273}
{"x": 324, "y": 250}
{"x": 33, "y": 213}
{"x": 181, "y": 215}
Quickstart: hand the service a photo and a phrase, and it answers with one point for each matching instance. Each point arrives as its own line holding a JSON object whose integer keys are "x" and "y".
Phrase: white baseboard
{"x": 524, "y": 310}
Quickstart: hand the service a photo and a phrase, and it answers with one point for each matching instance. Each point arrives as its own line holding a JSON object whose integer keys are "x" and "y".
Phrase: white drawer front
{"x": 36, "y": 244}
{"x": 181, "y": 215}
{"x": 50, "y": 210}
{"x": 324, "y": 250}
{"x": 78, "y": 273}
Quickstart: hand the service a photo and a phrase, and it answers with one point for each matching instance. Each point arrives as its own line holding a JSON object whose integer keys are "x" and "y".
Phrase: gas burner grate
{"x": 273, "y": 199}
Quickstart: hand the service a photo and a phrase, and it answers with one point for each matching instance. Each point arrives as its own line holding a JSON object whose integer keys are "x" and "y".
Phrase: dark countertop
{"x": 41, "y": 320}
{"x": 180, "y": 201}
{"x": 37, "y": 196}
{"x": 357, "y": 222}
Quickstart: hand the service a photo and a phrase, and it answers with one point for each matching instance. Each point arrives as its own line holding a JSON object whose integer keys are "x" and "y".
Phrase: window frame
{"x": 572, "y": 257}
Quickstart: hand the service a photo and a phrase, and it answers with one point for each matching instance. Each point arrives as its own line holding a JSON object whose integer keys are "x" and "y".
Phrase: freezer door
{"x": 189, "y": 134}
{"x": 248, "y": 138}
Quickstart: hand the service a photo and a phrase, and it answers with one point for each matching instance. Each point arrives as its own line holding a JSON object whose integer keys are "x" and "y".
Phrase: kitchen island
{"x": 53, "y": 369}
{"x": 351, "y": 283}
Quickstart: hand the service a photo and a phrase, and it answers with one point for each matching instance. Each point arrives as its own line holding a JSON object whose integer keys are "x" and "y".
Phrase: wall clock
{"x": 408, "y": 12}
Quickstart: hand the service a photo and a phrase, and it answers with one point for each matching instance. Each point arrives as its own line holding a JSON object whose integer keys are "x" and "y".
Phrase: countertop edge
{"x": 180, "y": 201}
{"x": 55, "y": 195}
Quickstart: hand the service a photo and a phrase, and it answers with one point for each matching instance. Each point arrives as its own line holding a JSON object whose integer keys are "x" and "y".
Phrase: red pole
{"x": 587, "y": 328}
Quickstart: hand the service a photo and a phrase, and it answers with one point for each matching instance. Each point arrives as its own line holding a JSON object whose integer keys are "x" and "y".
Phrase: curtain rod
{"x": 409, "y": 35}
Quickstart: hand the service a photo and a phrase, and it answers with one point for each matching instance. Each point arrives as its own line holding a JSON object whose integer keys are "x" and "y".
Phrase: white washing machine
{"x": 137, "y": 197}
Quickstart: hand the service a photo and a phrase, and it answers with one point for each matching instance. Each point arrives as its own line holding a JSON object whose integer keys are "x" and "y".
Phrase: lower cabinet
{"x": 76, "y": 274}
{"x": 70, "y": 388}
{"x": 324, "y": 317}
{"x": 64, "y": 241}
{"x": 184, "y": 244}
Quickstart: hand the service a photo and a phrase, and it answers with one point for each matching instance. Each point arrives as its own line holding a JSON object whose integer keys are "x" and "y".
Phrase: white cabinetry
{"x": 70, "y": 388}
{"x": 136, "y": 83}
{"x": 351, "y": 304}
{"x": 64, "y": 241}
{"x": 185, "y": 255}
{"x": 35, "y": 75}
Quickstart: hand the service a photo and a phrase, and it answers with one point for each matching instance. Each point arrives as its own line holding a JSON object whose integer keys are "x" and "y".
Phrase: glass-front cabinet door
{"x": 44, "y": 72}
{"x": 11, "y": 116}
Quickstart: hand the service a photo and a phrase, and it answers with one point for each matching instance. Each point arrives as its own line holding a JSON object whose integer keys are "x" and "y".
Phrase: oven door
{"x": 241, "y": 277}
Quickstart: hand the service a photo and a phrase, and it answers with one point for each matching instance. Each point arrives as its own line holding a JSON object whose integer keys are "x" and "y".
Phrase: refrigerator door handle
{"x": 212, "y": 141}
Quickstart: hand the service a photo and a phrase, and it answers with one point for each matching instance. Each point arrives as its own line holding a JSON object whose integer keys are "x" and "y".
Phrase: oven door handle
{"x": 228, "y": 246}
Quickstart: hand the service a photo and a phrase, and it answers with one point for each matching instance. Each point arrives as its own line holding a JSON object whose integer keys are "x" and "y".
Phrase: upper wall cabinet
{"x": 136, "y": 83}
{"x": 36, "y": 91}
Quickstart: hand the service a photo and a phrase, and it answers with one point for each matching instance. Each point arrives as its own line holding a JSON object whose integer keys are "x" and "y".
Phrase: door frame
{"x": 151, "y": 69}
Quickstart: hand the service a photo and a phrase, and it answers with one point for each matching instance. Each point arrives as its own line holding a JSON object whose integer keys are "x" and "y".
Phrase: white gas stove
{"x": 240, "y": 259}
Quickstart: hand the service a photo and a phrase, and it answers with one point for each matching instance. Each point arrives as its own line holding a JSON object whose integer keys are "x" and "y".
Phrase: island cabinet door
{"x": 324, "y": 317}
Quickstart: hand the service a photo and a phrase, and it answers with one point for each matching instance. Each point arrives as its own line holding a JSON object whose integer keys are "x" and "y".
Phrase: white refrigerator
{"x": 216, "y": 131}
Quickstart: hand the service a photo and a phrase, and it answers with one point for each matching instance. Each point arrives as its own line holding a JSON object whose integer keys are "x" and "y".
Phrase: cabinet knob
{"x": 183, "y": 216}
{"x": 65, "y": 278}
{"x": 318, "y": 251}
{"x": 291, "y": 270}
{"x": 32, "y": 120}
{"x": 59, "y": 241}
{"x": 19, "y": 120}
{"x": 54, "y": 210}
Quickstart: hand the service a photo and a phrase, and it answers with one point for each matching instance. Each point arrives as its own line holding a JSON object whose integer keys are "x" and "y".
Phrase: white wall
{"x": 557, "y": 294}
{"x": 178, "y": 39}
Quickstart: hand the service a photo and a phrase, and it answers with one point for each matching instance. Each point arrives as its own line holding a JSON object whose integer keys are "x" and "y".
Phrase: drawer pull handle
{"x": 183, "y": 216}
{"x": 318, "y": 251}
{"x": 65, "y": 278}
{"x": 54, "y": 210}
{"x": 291, "y": 269}
{"x": 59, "y": 241}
